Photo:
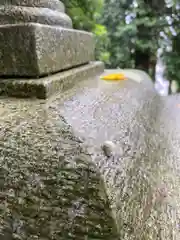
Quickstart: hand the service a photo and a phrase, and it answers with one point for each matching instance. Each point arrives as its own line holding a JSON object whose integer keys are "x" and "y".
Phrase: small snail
{"x": 108, "y": 148}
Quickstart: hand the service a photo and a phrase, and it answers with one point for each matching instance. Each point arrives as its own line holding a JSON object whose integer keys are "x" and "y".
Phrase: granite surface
{"x": 55, "y": 174}
{"x": 50, "y": 188}
{"x": 142, "y": 177}
{"x": 49, "y": 49}
{"x": 10, "y": 14}
{"x": 46, "y": 87}
{"x": 52, "y": 4}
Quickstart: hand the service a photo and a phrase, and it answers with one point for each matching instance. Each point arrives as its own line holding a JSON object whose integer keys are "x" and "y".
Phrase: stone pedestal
{"x": 37, "y": 40}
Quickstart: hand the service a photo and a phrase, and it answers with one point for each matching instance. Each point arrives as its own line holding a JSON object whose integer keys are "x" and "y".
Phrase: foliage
{"x": 133, "y": 28}
{"x": 83, "y": 12}
{"x": 119, "y": 34}
{"x": 128, "y": 33}
{"x": 102, "y": 42}
{"x": 85, "y": 15}
{"x": 171, "y": 46}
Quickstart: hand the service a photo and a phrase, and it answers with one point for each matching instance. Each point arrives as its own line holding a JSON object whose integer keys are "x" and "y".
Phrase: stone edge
{"x": 45, "y": 87}
{"x": 56, "y": 5}
{"x": 42, "y": 58}
{"x": 66, "y": 49}
{"x": 15, "y": 15}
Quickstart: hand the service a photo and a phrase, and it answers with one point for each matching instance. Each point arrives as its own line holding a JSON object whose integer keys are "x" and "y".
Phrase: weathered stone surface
{"x": 17, "y": 14}
{"x": 42, "y": 49}
{"x": 52, "y": 4}
{"x": 142, "y": 177}
{"x": 49, "y": 186}
{"x": 49, "y": 177}
{"x": 46, "y": 42}
{"x": 47, "y": 86}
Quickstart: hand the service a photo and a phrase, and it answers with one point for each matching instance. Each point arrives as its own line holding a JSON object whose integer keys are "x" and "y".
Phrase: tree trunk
{"x": 142, "y": 60}
{"x": 169, "y": 88}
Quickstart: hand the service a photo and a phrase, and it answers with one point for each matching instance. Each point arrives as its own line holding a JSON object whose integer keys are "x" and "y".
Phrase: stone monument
{"x": 37, "y": 41}
{"x": 58, "y": 180}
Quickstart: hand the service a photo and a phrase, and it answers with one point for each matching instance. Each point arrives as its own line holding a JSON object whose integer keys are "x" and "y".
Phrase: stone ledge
{"x": 52, "y": 4}
{"x": 32, "y": 50}
{"x": 17, "y": 14}
{"x": 47, "y": 86}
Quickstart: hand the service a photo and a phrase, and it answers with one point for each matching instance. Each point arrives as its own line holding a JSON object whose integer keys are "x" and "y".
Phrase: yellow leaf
{"x": 114, "y": 77}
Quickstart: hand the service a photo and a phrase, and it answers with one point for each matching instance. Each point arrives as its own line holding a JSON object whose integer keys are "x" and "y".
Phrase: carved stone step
{"x": 37, "y": 39}
{"x": 46, "y": 87}
{"x": 52, "y": 4}
{"x": 17, "y": 14}
{"x": 36, "y": 49}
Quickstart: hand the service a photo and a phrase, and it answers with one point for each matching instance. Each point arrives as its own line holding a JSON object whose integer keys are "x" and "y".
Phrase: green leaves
{"x": 85, "y": 15}
{"x": 128, "y": 30}
{"x": 83, "y": 12}
{"x": 100, "y": 30}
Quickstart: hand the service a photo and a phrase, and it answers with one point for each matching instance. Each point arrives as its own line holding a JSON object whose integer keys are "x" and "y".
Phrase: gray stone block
{"x": 142, "y": 176}
{"x": 47, "y": 86}
{"x": 34, "y": 49}
{"x": 52, "y": 4}
{"x": 17, "y": 14}
{"x": 51, "y": 178}
{"x": 49, "y": 184}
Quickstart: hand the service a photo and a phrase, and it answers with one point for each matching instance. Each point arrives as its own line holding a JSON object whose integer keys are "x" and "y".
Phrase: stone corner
{"x": 45, "y": 87}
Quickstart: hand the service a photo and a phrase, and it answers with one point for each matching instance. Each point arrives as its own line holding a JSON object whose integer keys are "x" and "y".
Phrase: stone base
{"x": 51, "y": 4}
{"x": 32, "y": 50}
{"x": 16, "y": 15}
{"x": 45, "y": 87}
